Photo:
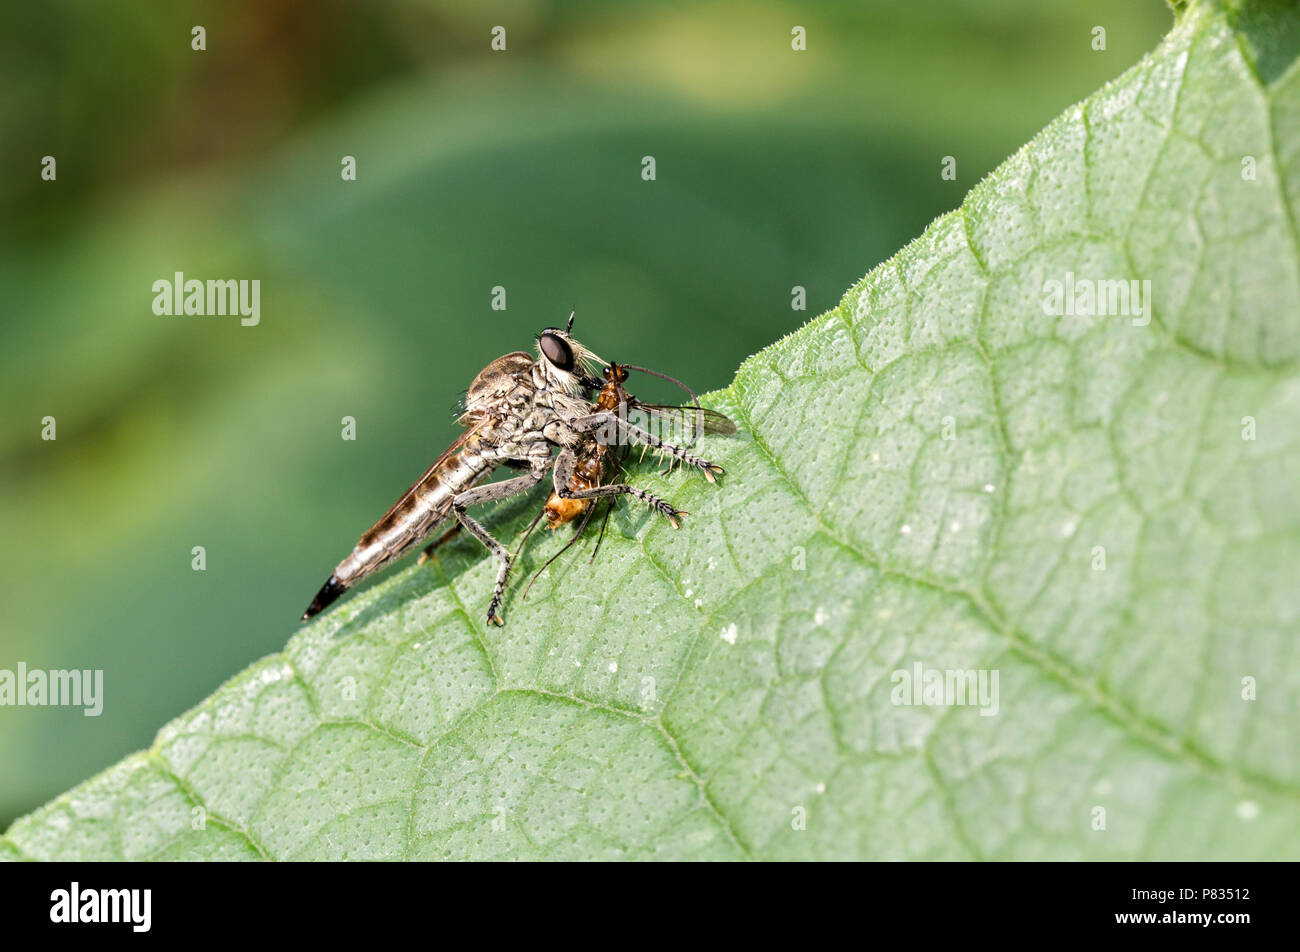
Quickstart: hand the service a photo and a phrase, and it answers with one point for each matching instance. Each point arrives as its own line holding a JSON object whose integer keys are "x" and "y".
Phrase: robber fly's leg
{"x": 492, "y": 493}
{"x": 564, "y": 464}
{"x": 608, "y": 418}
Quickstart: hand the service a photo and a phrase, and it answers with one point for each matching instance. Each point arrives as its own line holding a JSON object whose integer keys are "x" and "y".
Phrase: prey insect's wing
{"x": 691, "y": 420}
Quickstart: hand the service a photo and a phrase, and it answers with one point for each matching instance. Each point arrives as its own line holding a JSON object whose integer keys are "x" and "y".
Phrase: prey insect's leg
{"x": 492, "y": 493}
{"x": 564, "y": 464}
{"x": 586, "y": 517}
{"x": 618, "y": 471}
{"x": 427, "y": 552}
{"x": 601, "y": 538}
{"x": 635, "y": 433}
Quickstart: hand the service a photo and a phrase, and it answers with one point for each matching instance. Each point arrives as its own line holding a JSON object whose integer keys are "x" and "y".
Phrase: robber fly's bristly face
{"x": 566, "y": 363}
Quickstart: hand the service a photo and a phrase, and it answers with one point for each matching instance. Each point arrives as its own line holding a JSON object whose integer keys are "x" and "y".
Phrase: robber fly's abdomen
{"x": 416, "y": 515}
{"x": 411, "y": 519}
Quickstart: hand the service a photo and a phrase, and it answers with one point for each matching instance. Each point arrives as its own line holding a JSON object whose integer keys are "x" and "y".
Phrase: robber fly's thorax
{"x": 499, "y": 389}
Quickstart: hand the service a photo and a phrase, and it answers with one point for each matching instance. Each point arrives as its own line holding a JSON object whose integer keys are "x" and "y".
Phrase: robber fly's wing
{"x": 431, "y": 475}
{"x": 409, "y": 520}
{"x": 691, "y": 419}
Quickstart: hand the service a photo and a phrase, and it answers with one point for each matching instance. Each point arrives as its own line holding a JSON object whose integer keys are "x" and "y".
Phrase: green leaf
{"x": 936, "y": 472}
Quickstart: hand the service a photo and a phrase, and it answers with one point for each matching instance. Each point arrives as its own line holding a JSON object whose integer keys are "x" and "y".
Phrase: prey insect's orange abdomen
{"x": 586, "y": 475}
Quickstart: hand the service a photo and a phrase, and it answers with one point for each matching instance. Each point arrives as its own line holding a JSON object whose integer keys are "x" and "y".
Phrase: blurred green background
{"x": 475, "y": 169}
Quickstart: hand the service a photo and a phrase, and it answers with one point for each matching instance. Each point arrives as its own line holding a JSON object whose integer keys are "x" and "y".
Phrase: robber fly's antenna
{"x": 569, "y": 326}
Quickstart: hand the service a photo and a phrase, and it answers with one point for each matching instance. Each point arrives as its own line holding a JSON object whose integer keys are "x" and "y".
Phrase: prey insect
{"x": 528, "y": 413}
{"x": 598, "y": 461}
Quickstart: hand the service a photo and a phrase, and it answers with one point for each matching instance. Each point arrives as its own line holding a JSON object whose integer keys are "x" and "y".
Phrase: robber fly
{"x": 518, "y": 411}
{"x": 597, "y": 461}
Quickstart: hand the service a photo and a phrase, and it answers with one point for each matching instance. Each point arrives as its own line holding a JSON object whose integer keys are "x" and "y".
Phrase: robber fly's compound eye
{"x": 557, "y": 351}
